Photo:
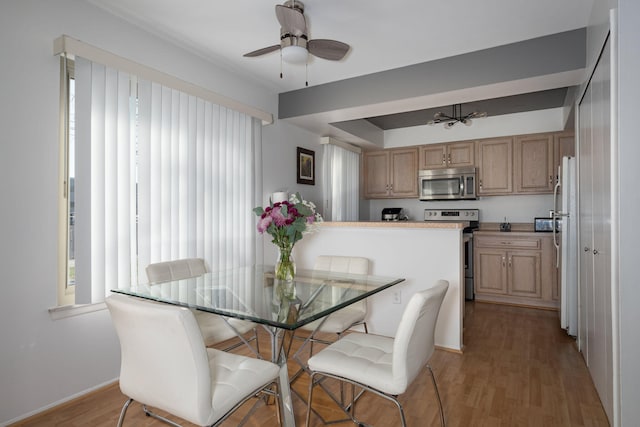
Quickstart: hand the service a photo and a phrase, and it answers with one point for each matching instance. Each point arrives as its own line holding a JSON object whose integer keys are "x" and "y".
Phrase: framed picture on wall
{"x": 306, "y": 167}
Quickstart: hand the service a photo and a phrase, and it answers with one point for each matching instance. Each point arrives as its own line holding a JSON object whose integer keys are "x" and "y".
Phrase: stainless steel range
{"x": 472, "y": 216}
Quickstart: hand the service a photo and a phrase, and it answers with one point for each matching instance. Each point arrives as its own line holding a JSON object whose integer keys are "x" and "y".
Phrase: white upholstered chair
{"x": 165, "y": 365}
{"x": 213, "y": 327}
{"x": 382, "y": 365}
{"x": 348, "y": 317}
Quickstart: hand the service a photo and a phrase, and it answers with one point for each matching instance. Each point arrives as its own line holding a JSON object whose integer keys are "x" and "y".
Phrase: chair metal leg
{"x": 159, "y": 417}
{"x": 435, "y": 386}
{"x": 350, "y": 409}
{"x": 243, "y": 340}
{"x": 123, "y": 411}
{"x": 310, "y": 400}
{"x": 255, "y": 338}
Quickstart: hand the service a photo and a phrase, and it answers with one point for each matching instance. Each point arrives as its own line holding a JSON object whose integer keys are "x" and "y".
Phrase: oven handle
{"x": 462, "y": 193}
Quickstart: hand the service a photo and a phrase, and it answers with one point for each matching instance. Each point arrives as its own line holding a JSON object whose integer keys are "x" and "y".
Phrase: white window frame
{"x": 67, "y": 48}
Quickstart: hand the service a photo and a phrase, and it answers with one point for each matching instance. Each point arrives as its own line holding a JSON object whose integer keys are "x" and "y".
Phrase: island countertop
{"x": 396, "y": 224}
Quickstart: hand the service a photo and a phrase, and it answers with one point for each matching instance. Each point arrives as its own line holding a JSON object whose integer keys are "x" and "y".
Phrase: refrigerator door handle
{"x": 554, "y": 217}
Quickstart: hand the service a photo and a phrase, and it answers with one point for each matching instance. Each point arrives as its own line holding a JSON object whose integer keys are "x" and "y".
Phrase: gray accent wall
{"x": 548, "y": 55}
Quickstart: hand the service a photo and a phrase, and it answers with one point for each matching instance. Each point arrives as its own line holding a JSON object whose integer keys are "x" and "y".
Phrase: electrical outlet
{"x": 397, "y": 297}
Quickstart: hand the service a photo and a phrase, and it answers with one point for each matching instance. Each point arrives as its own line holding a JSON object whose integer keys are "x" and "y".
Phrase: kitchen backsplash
{"x": 520, "y": 208}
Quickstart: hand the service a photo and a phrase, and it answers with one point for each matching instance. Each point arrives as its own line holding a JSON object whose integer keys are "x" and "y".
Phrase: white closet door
{"x": 595, "y": 230}
{"x": 585, "y": 207}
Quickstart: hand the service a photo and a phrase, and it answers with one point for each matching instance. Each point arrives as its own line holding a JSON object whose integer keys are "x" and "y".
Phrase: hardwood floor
{"x": 518, "y": 369}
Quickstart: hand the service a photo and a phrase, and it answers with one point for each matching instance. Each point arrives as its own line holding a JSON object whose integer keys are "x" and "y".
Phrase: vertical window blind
{"x": 160, "y": 175}
{"x": 341, "y": 183}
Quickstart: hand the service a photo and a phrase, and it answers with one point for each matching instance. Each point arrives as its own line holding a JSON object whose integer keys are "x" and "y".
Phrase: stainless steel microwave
{"x": 447, "y": 184}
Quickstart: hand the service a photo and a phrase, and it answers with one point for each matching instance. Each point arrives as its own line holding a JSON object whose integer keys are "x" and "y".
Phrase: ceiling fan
{"x": 294, "y": 40}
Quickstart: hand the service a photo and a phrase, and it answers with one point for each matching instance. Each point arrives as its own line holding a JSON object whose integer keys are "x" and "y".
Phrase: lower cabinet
{"x": 515, "y": 268}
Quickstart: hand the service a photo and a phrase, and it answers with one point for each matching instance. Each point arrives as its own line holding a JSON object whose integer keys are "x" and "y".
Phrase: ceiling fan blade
{"x": 328, "y": 49}
{"x": 291, "y": 20}
{"x": 262, "y": 51}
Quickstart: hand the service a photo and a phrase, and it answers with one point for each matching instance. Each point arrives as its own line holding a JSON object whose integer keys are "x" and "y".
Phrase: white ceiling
{"x": 383, "y": 35}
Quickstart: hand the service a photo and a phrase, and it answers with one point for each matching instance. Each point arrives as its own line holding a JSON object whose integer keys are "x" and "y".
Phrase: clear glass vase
{"x": 285, "y": 266}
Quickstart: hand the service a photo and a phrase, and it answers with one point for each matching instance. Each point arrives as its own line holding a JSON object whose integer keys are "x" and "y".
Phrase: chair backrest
{"x": 414, "y": 341}
{"x": 345, "y": 264}
{"x": 164, "y": 362}
{"x": 342, "y": 264}
{"x": 175, "y": 270}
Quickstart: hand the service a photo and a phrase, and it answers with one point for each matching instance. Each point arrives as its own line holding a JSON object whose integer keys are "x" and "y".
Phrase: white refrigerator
{"x": 566, "y": 242}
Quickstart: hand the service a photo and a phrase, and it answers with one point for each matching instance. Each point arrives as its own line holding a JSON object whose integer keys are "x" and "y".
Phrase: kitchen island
{"x": 420, "y": 252}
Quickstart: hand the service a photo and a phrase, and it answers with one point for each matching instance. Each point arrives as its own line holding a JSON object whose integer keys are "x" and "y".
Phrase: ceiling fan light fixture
{"x": 456, "y": 117}
{"x": 294, "y": 54}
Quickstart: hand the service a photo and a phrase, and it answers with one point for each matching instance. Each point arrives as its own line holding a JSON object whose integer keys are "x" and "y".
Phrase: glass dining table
{"x": 252, "y": 293}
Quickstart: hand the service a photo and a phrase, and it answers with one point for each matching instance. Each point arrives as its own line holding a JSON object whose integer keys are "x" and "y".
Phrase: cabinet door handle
{"x": 550, "y": 179}
{"x": 444, "y": 159}
{"x": 449, "y": 158}
{"x": 504, "y": 264}
{"x": 480, "y": 184}
{"x": 595, "y": 252}
{"x": 509, "y": 262}
{"x": 586, "y": 249}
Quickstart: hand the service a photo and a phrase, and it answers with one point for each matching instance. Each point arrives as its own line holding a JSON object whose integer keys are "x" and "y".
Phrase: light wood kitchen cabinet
{"x": 515, "y": 268}
{"x": 534, "y": 164}
{"x": 391, "y": 173}
{"x": 450, "y": 155}
{"x": 495, "y": 166}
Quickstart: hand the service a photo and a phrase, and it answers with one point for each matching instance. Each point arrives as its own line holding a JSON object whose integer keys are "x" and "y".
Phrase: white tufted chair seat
{"x": 233, "y": 376}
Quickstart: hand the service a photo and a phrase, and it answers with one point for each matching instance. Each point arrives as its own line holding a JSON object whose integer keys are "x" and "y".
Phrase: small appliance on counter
{"x": 505, "y": 226}
{"x": 546, "y": 224}
{"x": 393, "y": 214}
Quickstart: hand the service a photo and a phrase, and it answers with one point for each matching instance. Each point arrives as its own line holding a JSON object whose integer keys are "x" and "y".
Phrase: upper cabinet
{"x": 451, "y": 155}
{"x": 495, "y": 166}
{"x": 522, "y": 164}
{"x": 534, "y": 164}
{"x": 391, "y": 173}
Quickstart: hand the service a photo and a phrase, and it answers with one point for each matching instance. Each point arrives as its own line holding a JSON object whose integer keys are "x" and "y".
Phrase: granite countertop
{"x": 397, "y": 224}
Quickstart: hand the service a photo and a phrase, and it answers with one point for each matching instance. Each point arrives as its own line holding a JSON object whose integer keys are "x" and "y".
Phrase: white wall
{"x": 279, "y": 170}
{"x": 43, "y": 361}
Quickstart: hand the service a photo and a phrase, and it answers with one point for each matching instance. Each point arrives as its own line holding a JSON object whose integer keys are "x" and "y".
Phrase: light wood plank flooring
{"x": 518, "y": 369}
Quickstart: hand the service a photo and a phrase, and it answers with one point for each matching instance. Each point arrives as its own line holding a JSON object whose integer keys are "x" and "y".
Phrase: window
{"x": 150, "y": 174}
{"x": 341, "y": 165}
{"x": 66, "y": 288}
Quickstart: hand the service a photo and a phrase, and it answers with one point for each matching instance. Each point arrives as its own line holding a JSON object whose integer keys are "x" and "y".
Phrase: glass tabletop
{"x": 252, "y": 293}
